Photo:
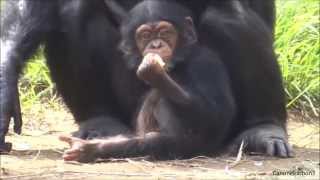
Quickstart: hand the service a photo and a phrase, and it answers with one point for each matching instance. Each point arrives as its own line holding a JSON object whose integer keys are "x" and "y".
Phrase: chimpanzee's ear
{"x": 190, "y": 34}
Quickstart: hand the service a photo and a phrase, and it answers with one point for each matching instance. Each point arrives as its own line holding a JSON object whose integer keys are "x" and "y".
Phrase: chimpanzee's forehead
{"x": 155, "y": 26}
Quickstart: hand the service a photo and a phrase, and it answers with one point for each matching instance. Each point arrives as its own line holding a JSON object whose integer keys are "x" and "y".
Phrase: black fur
{"x": 80, "y": 39}
{"x": 189, "y": 109}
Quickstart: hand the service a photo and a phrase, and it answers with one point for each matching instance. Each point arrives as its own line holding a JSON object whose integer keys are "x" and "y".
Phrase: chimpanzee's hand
{"x": 151, "y": 68}
{"x": 9, "y": 108}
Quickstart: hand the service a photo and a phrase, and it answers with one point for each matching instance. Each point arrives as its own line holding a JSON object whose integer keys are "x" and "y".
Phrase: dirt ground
{"x": 37, "y": 155}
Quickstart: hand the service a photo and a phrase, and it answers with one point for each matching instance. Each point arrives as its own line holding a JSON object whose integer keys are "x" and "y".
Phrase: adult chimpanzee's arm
{"x": 23, "y": 24}
{"x": 266, "y": 10}
{"x": 245, "y": 46}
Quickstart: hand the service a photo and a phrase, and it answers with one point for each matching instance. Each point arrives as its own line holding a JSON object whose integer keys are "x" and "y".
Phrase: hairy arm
{"x": 23, "y": 27}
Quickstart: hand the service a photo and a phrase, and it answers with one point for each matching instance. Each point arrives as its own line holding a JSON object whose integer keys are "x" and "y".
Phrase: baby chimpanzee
{"x": 189, "y": 106}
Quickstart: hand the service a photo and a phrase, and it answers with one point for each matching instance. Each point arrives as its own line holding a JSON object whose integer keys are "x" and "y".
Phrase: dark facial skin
{"x": 158, "y": 37}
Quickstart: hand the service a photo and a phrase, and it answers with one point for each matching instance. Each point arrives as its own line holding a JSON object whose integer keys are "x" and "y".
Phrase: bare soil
{"x": 37, "y": 155}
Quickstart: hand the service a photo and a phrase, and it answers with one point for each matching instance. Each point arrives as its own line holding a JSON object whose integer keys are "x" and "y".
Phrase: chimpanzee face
{"x": 157, "y": 37}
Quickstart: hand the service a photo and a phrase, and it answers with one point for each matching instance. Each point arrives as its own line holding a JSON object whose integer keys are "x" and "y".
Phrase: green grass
{"x": 35, "y": 85}
{"x": 297, "y": 44}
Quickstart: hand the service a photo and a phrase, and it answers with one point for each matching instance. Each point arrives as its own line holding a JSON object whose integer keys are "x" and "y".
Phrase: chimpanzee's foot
{"x": 80, "y": 150}
{"x": 265, "y": 139}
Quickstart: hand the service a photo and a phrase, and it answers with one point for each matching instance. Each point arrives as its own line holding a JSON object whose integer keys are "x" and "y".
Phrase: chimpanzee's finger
{"x": 17, "y": 114}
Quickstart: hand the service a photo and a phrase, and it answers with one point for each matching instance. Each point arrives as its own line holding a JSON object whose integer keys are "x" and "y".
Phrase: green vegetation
{"x": 298, "y": 47}
{"x": 36, "y": 85}
{"x": 297, "y": 44}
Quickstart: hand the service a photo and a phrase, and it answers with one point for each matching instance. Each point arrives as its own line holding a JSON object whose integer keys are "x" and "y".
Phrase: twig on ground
{"x": 37, "y": 155}
{"x": 238, "y": 159}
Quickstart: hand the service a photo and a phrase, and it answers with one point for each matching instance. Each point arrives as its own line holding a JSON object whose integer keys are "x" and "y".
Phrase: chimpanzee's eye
{"x": 165, "y": 34}
{"x": 146, "y": 35}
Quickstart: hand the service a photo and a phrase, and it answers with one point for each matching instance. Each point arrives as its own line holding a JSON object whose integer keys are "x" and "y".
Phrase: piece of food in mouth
{"x": 155, "y": 57}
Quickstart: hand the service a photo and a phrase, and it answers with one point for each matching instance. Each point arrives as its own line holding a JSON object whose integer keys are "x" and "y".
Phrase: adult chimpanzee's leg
{"x": 82, "y": 57}
{"x": 24, "y": 25}
{"x": 244, "y": 44}
{"x": 80, "y": 46}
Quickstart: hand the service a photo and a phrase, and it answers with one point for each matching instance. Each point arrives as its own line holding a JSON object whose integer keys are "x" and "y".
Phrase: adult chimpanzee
{"x": 80, "y": 40}
{"x": 189, "y": 106}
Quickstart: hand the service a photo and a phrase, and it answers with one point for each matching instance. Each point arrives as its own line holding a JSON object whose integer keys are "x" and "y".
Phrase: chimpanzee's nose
{"x": 156, "y": 44}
